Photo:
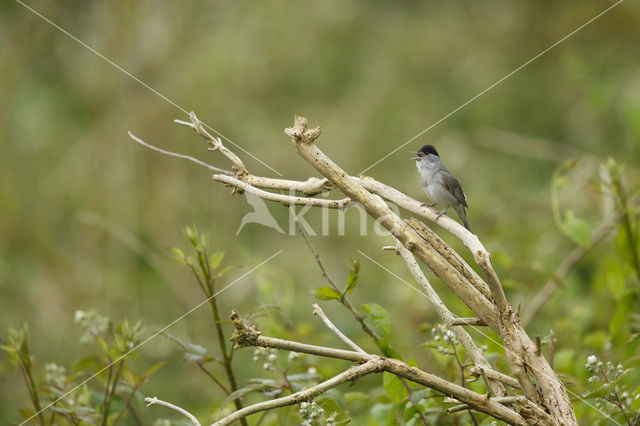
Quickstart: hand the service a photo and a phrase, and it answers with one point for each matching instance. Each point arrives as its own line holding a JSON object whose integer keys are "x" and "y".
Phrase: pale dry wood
{"x": 468, "y": 321}
{"x": 215, "y": 142}
{"x": 281, "y": 198}
{"x": 443, "y": 312}
{"x": 156, "y": 401}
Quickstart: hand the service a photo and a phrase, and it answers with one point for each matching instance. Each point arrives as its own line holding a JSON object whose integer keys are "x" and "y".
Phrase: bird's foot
{"x": 440, "y": 213}
{"x": 428, "y": 204}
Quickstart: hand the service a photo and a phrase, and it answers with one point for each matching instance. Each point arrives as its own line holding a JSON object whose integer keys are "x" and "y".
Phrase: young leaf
{"x": 327, "y": 293}
{"x": 216, "y": 259}
{"x": 353, "y": 276}
{"x": 178, "y": 255}
{"x": 378, "y": 319}
{"x": 394, "y": 387}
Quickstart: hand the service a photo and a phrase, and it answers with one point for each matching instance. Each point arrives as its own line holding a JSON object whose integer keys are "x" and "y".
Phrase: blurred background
{"x": 87, "y": 216}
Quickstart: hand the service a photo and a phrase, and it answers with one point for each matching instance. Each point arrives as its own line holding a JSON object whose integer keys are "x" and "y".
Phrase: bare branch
{"x": 156, "y": 401}
{"x": 495, "y": 375}
{"x": 281, "y": 198}
{"x": 215, "y": 142}
{"x": 174, "y": 154}
{"x": 311, "y": 186}
{"x": 318, "y": 311}
{"x": 468, "y": 321}
{"x": 349, "y": 375}
{"x": 246, "y": 335}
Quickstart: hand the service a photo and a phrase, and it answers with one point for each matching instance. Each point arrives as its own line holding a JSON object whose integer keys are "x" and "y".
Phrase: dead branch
{"x": 246, "y": 335}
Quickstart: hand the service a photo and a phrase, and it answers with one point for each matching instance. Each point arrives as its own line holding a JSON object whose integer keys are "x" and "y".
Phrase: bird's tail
{"x": 463, "y": 217}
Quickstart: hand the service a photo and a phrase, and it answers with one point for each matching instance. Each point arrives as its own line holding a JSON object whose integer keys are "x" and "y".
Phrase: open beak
{"x": 415, "y": 158}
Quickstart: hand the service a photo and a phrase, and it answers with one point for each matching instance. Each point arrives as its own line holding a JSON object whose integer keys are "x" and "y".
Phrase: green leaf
{"x": 103, "y": 344}
{"x": 216, "y": 259}
{"x": 338, "y": 397}
{"x": 378, "y": 319}
{"x": 178, "y": 255}
{"x": 327, "y": 293}
{"x": 577, "y": 229}
{"x": 353, "y": 276}
{"x": 240, "y": 393}
{"x": 223, "y": 271}
{"x": 419, "y": 395}
{"x": 394, "y": 387}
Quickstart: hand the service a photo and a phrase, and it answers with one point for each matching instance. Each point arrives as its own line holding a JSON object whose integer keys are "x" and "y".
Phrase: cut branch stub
{"x": 301, "y": 132}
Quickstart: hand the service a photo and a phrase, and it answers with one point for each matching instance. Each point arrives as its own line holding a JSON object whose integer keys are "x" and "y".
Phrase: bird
{"x": 440, "y": 185}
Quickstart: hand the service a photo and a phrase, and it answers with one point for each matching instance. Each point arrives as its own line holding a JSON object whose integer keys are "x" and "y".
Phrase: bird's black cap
{"x": 428, "y": 149}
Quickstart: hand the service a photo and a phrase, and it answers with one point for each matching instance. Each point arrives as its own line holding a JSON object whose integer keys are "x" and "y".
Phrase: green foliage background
{"x": 87, "y": 216}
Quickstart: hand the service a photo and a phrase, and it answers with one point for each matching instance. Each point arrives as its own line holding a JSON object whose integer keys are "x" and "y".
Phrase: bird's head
{"x": 424, "y": 151}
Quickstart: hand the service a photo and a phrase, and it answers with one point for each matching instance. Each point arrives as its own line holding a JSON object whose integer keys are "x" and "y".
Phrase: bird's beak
{"x": 415, "y": 158}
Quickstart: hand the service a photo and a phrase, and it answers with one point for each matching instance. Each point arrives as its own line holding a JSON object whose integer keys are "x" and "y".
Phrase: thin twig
{"x": 468, "y": 321}
{"x": 175, "y": 154}
{"x": 318, "y": 311}
{"x": 212, "y": 377}
{"x": 156, "y": 401}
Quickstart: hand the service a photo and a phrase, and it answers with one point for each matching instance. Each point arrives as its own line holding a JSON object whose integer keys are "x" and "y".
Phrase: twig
{"x": 212, "y": 377}
{"x": 215, "y": 142}
{"x": 175, "y": 154}
{"x": 311, "y": 186}
{"x": 156, "y": 401}
{"x": 468, "y": 321}
{"x": 281, "y": 198}
{"x": 318, "y": 311}
{"x": 494, "y": 375}
{"x": 105, "y": 399}
{"x": 246, "y": 335}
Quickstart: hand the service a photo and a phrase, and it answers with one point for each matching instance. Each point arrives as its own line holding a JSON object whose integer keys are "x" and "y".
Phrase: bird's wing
{"x": 453, "y": 186}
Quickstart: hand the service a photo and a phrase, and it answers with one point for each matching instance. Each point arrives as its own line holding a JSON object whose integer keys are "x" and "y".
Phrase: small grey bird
{"x": 442, "y": 188}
